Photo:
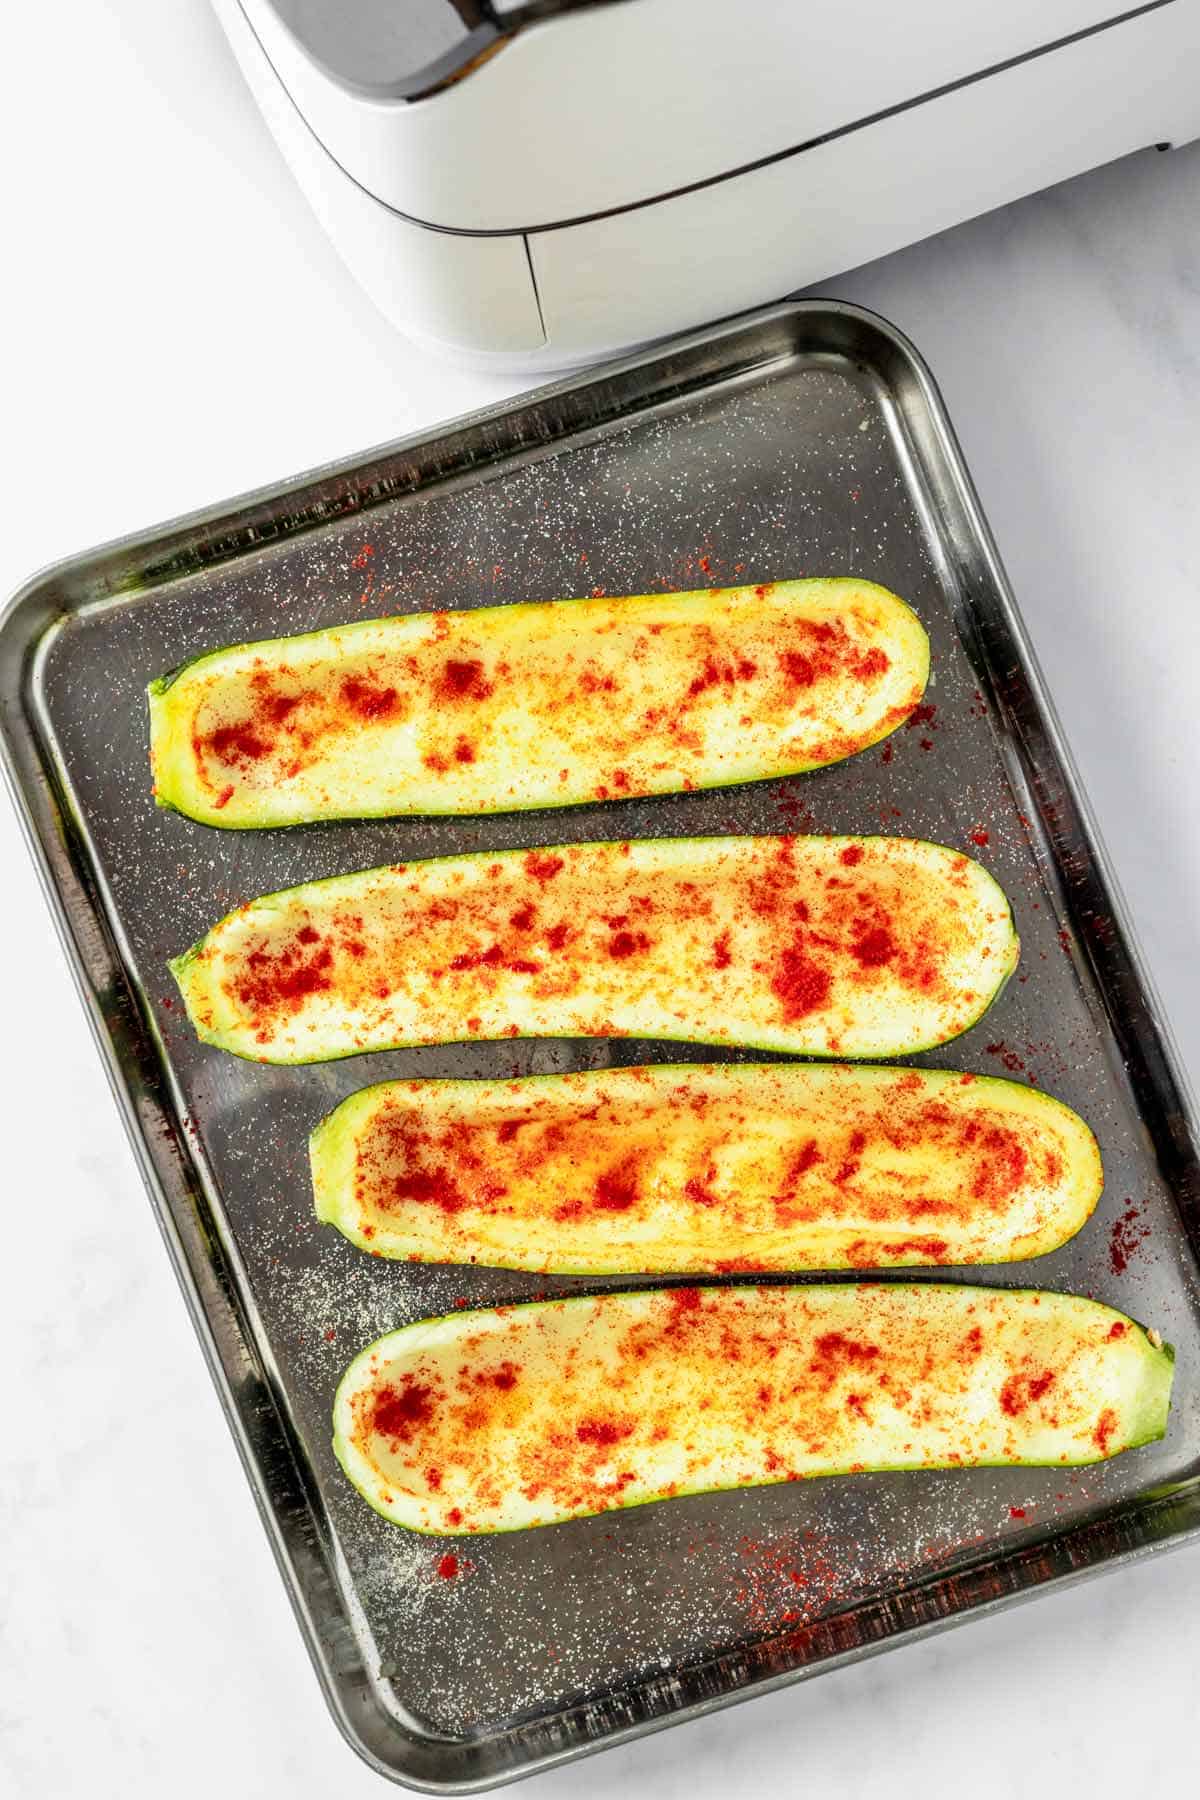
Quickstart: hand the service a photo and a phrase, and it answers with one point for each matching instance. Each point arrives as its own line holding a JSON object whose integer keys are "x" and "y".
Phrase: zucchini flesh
{"x": 528, "y": 1415}
{"x": 706, "y": 1169}
{"x": 823, "y": 946}
{"x": 545, "y": 704}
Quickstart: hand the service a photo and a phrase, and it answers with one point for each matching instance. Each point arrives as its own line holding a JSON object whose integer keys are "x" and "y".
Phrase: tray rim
{"x": 29, "y": 620}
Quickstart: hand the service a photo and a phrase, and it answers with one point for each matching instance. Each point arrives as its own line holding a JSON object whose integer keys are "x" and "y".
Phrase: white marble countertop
{"x": 176, "y": 329}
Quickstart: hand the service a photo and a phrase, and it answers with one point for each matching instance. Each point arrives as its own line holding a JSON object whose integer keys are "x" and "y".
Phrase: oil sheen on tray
{"x": 707, "y": 1169}
{"x": 527, "y": 1415}
{"x": 825, "y": 946}
{"x": 543, "y": 704}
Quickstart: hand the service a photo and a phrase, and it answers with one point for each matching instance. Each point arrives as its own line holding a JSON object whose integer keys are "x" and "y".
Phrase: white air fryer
{"x": 530, "y": 184}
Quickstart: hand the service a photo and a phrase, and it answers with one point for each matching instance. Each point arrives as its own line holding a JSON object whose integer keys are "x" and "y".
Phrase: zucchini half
{"x": 544, "y": 704}
{"x": 826, "y": 946}
{"x": 528, "y": 1415}
{"x": 705, "y": 1169}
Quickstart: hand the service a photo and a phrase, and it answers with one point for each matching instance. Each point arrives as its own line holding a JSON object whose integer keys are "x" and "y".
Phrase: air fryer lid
{"x": 403, "y": 49}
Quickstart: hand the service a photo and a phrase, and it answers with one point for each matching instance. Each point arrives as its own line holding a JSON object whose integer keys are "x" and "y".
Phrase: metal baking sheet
{"x": 807, "y": 439}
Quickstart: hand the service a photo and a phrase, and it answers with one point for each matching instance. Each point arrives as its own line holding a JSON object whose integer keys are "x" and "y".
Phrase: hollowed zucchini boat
{"x": 706, "y": 1168}
{"x": 827, "y": 946}
{"x": 546, "y": 704}
{"x": 528, "y": 1415}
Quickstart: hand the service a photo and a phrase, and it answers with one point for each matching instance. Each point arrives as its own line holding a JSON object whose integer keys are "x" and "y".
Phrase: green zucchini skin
{"x": 525, "y": 1416}
{"x": 543, "y": 704}
{"x": 707, "y": 1169}
{"x": 818, "y": 946}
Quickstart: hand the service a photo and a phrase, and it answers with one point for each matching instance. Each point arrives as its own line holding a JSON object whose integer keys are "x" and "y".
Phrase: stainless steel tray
{"x": 807, "y": 439}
